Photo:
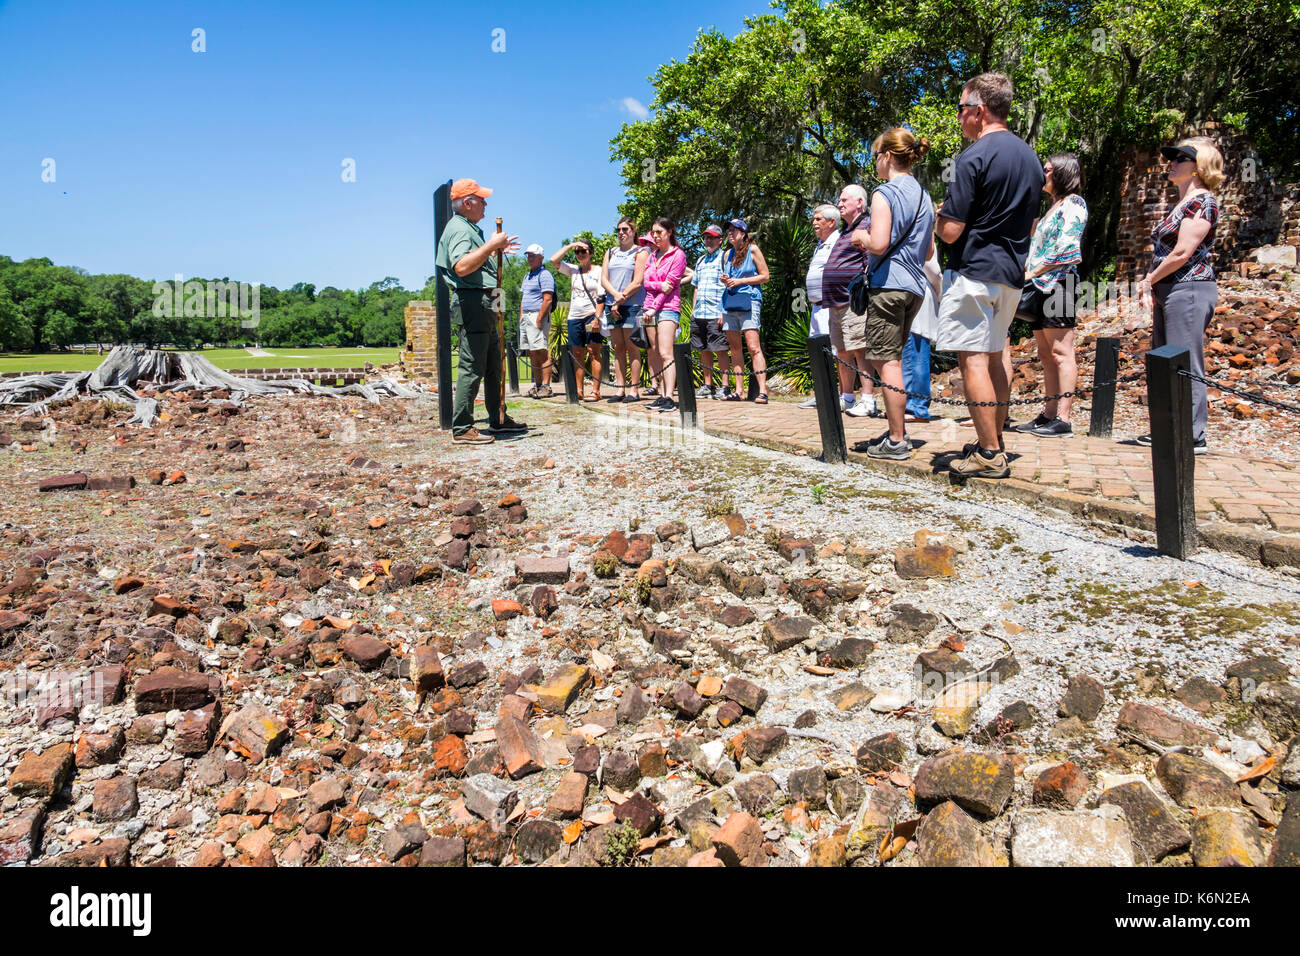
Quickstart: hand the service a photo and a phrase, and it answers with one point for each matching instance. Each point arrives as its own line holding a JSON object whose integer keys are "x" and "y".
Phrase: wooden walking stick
{"x": 501, "y": 337}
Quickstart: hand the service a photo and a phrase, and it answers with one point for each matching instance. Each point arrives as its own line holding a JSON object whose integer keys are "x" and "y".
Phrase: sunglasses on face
{"x": 583, "y": 252}
{"x": 967, "y": 106}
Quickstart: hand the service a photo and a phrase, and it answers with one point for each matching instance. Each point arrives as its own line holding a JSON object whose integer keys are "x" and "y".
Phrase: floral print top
{"x": 1058, "y": 241}
{"x": 1200, "y": 267}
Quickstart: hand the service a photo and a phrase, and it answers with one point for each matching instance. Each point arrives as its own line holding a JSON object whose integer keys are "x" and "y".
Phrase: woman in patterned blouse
{"x": 1180, "y": 287}
{"x": 1051, "y": 276}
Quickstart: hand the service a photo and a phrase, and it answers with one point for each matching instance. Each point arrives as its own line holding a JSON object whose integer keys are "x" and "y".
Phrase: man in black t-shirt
{"x": 986, "y": 219}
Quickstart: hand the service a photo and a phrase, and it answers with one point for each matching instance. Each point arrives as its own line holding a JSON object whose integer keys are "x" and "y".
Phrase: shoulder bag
{"x": 860, "y": 287}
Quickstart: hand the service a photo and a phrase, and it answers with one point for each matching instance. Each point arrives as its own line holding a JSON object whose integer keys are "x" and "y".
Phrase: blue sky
{"x": 229, "y": 162}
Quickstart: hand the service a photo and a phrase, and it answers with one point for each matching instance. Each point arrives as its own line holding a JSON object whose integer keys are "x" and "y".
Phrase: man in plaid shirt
{"x": 707, "y": 336}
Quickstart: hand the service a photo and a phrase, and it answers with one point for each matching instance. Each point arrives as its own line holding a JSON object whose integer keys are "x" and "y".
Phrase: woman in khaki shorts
{"x": 899, "y": 240}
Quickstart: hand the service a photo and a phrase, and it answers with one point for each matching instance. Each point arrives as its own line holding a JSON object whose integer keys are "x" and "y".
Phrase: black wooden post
{"x": 827, "y": 389}
{"x": 1173, "y": 461}
{"x": 570, "y": 376}
{"x": 604, "y": 361}
{"x": 685, "y": 383}
{"x": 442, "y": 216}
{"x": 513, "y": 368}
{"x": 753, "y": 381}
{"x": 1105, "y": 369}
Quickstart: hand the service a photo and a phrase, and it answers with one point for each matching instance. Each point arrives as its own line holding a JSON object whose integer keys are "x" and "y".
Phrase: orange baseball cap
{"x": 468, "y": 187}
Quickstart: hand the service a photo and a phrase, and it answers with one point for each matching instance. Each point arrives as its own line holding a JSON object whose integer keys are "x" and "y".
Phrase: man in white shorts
{"x": 825, "y": 223}
{"x": 986, "y": 220}
{"x": 537, "y": 298}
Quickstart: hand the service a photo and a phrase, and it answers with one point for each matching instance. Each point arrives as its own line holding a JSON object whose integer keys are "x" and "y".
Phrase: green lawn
{"x": 223, "y": 358}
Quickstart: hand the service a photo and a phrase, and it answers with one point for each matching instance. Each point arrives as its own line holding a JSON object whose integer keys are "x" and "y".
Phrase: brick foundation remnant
{"x": 420, "y": 357}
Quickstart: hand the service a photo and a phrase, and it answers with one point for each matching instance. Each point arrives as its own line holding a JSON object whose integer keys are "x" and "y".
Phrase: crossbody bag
{"x": 860, "y": 286}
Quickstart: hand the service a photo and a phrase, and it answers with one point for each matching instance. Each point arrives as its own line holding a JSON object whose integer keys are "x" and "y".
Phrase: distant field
{"x": 222, "y": 358}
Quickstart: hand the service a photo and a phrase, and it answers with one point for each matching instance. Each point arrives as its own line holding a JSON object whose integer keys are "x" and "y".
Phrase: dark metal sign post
{"x": 1173, "y": 462}
{"x": 826, "y": 388}
{"x": 1104, "y": 369}
{"x": 442, "y": 216}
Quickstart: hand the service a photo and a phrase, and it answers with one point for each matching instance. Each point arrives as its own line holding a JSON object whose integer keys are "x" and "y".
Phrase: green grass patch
{"x": 353, "y": 357}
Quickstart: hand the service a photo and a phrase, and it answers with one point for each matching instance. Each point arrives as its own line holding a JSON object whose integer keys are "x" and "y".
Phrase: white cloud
{"x": 635, "y": 108}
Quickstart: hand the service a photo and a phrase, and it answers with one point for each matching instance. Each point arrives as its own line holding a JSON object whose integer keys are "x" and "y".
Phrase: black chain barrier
{"x": 1077, "y": 393}
{"x": 550, "y": 363}
{"x": 1252, "y": 396}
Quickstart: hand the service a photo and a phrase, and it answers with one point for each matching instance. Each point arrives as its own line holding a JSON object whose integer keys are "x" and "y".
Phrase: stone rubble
{"x": 412, "y": 654}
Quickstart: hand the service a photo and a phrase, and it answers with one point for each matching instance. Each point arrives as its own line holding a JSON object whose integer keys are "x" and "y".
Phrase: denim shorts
{"x": 742, "y": 320}
{"x": 579, "y": 337}
{"x": 668, "y": 317}
{"x": 630, "y": 319}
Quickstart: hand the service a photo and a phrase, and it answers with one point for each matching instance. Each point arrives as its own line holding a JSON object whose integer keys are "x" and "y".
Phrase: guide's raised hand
{"x": 501, "y": 242}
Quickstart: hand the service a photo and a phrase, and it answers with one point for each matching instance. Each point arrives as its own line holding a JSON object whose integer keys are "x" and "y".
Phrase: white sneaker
{"x": 811, "y": 403}
{"x": 844, "y": 404}
{"x": 863, "y": 408}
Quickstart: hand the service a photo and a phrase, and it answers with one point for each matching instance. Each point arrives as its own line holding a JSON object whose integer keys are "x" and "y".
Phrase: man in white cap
{"x": 537, "y": 298}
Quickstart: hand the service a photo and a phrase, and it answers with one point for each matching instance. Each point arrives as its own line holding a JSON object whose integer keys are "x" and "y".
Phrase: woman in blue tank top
{"x": 622, "y": 275}
{"x": 744, "y": 270}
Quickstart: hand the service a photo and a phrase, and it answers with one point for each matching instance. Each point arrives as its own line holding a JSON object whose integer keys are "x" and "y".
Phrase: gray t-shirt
{"x": 905, "y": 269}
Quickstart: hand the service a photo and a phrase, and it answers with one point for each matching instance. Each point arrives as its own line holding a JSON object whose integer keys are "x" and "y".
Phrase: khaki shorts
{"x": 531, "y": 338}
{"x": 848, "y": 329}
{"x": 889, "y": 319}
{"x": 975, "y": 316}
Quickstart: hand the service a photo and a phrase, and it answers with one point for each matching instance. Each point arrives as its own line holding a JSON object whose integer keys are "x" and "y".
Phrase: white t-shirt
{"x": 582, "y": 306}
{"x": 822, "y": 253}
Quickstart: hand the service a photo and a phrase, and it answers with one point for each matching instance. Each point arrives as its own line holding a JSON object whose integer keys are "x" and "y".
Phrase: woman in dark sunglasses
{"x": 623, "y": 274}
{"x": 586, "y": 306}
{"x": 1180, "y": 288}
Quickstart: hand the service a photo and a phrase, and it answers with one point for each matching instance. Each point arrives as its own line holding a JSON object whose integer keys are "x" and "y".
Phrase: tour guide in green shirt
{"x": 466, "y": 263}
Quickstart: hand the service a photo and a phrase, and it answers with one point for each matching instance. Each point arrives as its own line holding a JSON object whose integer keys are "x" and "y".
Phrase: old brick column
{"x": 1259, "y": 217}
{"x": 420, "y": 357}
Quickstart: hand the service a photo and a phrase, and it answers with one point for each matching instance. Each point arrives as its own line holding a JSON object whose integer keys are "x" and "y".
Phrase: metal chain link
{"x": 1261, "y": 399}
{"x": 1078, "y": 392}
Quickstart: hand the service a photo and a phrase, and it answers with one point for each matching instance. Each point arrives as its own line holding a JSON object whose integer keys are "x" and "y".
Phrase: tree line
{"x": 768, "y": 123}
{"x": 44, "y": 306}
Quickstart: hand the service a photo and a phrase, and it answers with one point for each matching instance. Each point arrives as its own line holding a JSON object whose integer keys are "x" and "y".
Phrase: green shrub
{"x": 621, "y": 843}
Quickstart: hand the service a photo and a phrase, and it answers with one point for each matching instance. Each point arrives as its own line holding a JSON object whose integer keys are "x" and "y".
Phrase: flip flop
{"x": 760, "y": 400}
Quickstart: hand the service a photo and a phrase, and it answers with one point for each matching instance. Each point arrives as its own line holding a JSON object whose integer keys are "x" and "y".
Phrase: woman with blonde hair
{"x": 1180, "y": 286}
{"x": 898, "y": 240}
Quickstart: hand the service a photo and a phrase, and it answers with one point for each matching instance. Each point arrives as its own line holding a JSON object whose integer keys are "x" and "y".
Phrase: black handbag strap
{"x": 583, "y": 282}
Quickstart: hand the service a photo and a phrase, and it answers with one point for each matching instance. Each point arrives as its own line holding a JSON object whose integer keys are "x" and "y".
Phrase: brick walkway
{"x": 1249, "y": 506}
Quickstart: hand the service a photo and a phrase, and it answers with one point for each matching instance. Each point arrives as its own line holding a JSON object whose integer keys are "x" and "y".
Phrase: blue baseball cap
{"x": 739, "y": 224}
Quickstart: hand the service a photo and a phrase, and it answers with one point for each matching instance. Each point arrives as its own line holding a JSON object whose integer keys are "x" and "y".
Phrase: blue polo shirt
{"x": 537, "y": 282}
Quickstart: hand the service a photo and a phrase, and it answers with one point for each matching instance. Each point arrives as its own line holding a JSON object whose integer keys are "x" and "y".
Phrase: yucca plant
{"x": 559, "y": 338}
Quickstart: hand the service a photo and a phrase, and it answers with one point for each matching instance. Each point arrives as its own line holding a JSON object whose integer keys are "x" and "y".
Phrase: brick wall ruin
{"x": 419, "y": 359}
{"x": 1259, "y": 218}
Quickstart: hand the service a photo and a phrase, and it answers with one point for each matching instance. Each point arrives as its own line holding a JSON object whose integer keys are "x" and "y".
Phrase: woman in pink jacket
{"x": 662, "y": 312}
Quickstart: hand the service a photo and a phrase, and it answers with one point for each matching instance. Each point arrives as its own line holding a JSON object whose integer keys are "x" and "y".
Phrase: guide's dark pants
{"x": 479, "y": 361}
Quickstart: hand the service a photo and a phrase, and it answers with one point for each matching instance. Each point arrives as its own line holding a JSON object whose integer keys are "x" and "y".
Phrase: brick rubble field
{"x": 309, "y": 631}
